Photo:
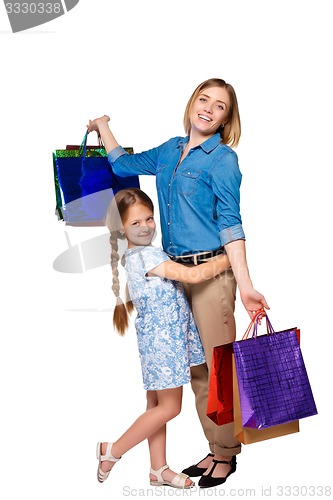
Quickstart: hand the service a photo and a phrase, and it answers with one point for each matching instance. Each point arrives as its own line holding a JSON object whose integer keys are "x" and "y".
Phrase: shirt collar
{"x": 207, "y": 145}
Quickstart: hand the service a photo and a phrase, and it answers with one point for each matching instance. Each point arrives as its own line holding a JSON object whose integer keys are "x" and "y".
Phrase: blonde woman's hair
{"x": 230, "y": 133}
{"x": 116, "y": 214}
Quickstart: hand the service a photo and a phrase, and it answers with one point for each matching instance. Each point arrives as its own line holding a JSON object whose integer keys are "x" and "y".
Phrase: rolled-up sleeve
{"x": 231, "y": 234}
{"x": 115, "y": 153}
{"x": 226, "y": 181}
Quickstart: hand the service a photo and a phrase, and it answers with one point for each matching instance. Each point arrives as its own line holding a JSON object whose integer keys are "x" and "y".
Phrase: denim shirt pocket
{"x": 159, "y": 172}
{"x": 187, "y": 181}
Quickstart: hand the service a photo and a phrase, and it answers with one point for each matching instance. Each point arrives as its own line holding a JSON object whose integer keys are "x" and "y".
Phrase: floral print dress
{"x": 167, "y": 336}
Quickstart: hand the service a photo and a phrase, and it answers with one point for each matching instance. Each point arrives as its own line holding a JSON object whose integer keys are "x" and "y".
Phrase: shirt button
{"x": 168, "y": 223}
{"x": 188, "y": 173}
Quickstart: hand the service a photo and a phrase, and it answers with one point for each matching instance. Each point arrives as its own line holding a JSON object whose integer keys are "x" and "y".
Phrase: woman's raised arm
{"x": 101, "y": 126}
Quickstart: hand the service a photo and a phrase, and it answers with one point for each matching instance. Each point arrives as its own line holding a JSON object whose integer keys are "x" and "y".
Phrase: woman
{"x": 198, "y": 185}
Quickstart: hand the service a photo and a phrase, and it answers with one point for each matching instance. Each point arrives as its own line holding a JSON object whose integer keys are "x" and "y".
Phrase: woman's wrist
{"x": 102, "y": 123}
{"x": 101, "y": 126}
{"x": 244, "y": 281}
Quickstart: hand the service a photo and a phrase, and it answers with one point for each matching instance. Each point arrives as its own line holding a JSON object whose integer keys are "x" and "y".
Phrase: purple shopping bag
{"x": 273, "y": 383}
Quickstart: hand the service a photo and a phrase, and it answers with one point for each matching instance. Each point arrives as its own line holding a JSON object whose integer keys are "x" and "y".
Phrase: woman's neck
{"x": 196, "y": 139}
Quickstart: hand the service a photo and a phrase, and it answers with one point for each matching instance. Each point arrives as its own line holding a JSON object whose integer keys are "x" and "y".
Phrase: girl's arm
{"x": 194, "y": 274}
{"x": 100, "y": 125}
{"x": 252, "y": 300}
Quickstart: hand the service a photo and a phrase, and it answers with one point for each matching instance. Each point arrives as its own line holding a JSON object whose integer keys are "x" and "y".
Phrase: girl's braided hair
{"x": 116, "y": 215}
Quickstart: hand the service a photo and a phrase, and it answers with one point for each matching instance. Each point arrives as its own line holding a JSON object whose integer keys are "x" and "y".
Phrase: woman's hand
{"x": 94, "y": 125}
{"x": 101, "y": 126}
{"x": 253, "y": 301}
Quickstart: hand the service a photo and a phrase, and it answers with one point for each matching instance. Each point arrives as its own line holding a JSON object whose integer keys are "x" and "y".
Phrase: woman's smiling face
{"x": 209, "y": 111}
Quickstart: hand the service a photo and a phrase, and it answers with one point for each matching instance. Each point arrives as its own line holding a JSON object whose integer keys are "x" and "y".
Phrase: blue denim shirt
{"x": 198, "y": 198}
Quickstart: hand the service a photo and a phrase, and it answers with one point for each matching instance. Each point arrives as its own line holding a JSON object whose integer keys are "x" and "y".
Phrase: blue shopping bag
{"x": 85, "y": 183}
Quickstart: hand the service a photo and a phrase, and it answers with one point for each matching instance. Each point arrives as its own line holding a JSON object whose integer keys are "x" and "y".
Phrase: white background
{"x": 67, "y": 379}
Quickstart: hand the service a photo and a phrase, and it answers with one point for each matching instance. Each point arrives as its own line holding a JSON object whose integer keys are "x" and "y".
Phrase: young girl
{"x": 167, "y": 337}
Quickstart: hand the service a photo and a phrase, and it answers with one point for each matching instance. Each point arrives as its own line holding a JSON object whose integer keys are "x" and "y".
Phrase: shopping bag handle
{"x": 253, "y": 326}
{"x": 258, "y": 314}
{"x": 83, "y": 147}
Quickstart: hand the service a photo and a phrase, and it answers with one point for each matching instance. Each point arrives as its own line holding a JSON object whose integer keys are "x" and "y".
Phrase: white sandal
{"x": 177, "y": 482}
{"x": 101, "y": 475}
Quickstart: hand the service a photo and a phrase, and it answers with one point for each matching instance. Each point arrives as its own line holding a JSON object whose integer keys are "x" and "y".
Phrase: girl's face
{"x": 139, "y": 226}
{"x": 209, "y": 111}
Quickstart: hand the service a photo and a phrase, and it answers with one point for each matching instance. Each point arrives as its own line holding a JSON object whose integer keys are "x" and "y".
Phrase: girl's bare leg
{"x": 157, "y": 441}
{"x": 157, "y": 445}
{"x": 168, "y": 406}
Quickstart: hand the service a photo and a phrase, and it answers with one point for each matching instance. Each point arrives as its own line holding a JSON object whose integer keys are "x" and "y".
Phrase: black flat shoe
{"x": 209, "y": 481}
{"x": 194, "y": 470}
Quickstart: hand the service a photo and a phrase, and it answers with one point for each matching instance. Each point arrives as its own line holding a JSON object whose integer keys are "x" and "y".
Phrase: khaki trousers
{"x": 213, "y": 305}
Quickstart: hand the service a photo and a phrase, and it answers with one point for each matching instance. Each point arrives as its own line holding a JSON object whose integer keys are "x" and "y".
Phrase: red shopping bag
{"x": 220, "y": 393}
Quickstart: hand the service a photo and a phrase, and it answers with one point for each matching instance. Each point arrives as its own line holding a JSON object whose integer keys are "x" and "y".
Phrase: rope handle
{"x": 83, "y": 147}
{"x": 253, "y": 326}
